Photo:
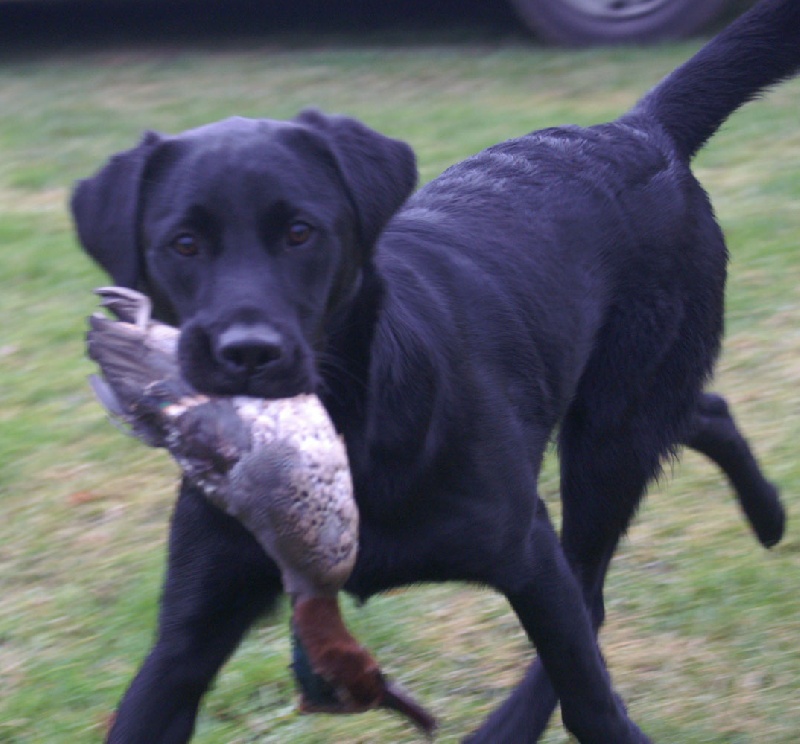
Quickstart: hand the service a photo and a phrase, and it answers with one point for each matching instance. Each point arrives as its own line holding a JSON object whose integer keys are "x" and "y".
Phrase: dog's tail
{"x": 758, "y": 50}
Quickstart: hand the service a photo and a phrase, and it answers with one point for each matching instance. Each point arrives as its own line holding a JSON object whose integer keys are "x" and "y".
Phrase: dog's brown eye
{"x": 186, "y": 245}
{"x": 298, "y": 233}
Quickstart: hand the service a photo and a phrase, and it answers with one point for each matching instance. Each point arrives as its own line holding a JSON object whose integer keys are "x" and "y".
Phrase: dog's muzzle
{"x": 246, "y": 358}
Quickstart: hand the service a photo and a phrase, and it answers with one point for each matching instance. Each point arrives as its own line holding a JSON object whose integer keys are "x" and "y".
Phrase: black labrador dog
{"x": 565, "y": 284}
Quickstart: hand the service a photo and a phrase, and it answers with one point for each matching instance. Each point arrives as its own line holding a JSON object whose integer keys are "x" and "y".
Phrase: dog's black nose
{"x": 249, "y": 348}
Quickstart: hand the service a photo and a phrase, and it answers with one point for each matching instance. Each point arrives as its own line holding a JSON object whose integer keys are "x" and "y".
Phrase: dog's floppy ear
{"x": 105, "y": 208}
{"x": 378, "y": 171}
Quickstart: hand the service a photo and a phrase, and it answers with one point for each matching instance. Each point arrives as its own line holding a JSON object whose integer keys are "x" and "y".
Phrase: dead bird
{"x": 277, "y": 466}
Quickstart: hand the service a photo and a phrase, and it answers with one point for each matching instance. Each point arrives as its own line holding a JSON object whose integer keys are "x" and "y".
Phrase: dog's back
{"x": 574, "y": 233}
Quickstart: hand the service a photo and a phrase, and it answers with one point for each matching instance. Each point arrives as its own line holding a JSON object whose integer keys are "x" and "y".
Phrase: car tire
{"x": 586, "y": 22}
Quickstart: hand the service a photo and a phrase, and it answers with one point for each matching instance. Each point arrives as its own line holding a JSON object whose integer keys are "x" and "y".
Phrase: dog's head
{"x": 250, "y": 234}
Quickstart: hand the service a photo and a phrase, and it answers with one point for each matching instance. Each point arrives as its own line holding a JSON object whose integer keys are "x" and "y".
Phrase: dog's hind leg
{"x": 218, "y": 582}
{"x": 714, "y": 434}
{"x": 547, "y": 599}
{"x": 604, "y": 476}
{"x": 603, "y": 479}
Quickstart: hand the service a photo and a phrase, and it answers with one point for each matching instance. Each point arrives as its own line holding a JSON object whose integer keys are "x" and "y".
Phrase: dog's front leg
{"x": 549, "y": 603}
{"x": 218, "y": 582}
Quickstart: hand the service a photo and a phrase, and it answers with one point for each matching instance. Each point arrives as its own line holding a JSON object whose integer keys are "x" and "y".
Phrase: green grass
{"x": 703, "y": 625}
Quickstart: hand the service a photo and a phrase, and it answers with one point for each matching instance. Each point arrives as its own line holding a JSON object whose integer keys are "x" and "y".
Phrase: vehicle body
{"x": 559, "y": 22}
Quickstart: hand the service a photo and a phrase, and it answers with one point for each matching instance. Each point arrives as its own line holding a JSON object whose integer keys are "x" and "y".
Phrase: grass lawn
{"x": 703, "y": 624}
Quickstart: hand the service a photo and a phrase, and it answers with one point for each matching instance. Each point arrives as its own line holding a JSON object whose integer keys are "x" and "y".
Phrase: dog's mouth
{"x": 252, "y": 359}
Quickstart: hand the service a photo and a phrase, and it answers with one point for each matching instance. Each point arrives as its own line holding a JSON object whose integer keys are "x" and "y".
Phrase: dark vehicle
{"x": 582, "y": 22}
{"x": 560, "y": 22}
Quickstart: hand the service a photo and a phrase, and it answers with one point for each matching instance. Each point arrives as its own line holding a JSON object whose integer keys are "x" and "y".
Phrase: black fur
{"x": 567, "y": 283}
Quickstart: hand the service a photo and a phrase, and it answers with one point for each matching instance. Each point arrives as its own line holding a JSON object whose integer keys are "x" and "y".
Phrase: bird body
{"x": 235, "y": 449}
{"x": 277, "y": 466}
